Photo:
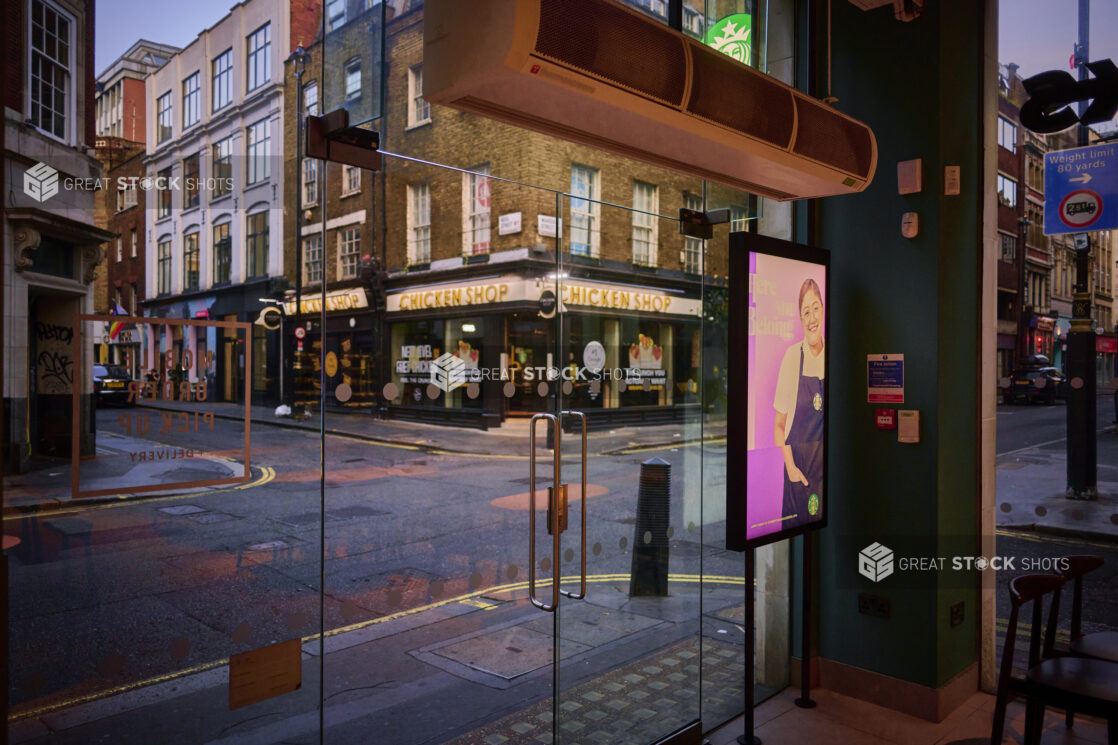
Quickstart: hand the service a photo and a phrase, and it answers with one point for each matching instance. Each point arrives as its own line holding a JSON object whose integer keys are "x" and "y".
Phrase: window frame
{"x": 349, "y": 252}
{"x": 351, "y": 180}
{"x": 221, "y": 81}
{"x": 692, "y": 254}
{"x": 222, "y": 252}
{"x": 256, "y": 164}
{"x": 164, "y": 110}
{"x": 1006, "y": 126}
{"x": 476, "y": 210}
{"x": 312, "y": 267}
{"x": 191, "y": 100}
{"x": 192, "y": 174}
{"x": 310, "y": 103}
{"x": 254, "y": 254}
{"x": 592, "y": 213}
{"x": 419, "y": 223}
{"x": 69, "y": 113}
{"x": 252, "y": 61}
{"x": 163, "y": 266}
{"x": 187, "y": 255}
{"x": 352, "y": 64}
{"x": 309, "y": 182}
{"x": 333, "y": 23}
{"x": 1004, "y": 179}
{"x": 222, "y": 166}
{"x": 134, "y": 249}
{"x": 164, "y": 202}
{"x": 419, "y": 109}
{"x": 645, "y": 223}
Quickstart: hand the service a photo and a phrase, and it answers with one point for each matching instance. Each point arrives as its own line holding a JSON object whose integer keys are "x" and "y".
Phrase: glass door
{"x": 628, "y": 623}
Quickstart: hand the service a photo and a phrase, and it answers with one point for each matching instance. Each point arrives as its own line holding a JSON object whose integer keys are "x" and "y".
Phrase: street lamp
{"x": 1023, "y": 224}
{"x": 278, "y": 306}
{"x": 298, "y": 60}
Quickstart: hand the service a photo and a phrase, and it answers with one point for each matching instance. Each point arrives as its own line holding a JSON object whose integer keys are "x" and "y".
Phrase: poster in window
{"x": 777, "y": 421}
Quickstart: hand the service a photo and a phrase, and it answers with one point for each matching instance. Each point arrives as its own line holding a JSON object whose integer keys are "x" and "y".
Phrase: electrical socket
{"x": 873, "y": 605}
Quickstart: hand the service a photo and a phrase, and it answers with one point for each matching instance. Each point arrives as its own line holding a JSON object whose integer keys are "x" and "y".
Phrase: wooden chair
{"x": 1101, "y": 645}
{"x": 1087, "y": 686}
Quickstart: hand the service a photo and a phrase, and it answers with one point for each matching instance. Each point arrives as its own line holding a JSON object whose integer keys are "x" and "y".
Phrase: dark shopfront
{"x": 350, "y": 362}
{"x": 630, "y": 353}
{"x": 228, "y": 375}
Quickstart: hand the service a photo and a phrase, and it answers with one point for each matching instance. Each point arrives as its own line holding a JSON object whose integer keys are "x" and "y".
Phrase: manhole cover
{"x": 182, "y": 509}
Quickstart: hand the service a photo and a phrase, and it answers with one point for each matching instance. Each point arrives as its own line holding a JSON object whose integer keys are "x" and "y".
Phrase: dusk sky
{"x": 1036, "y": 34}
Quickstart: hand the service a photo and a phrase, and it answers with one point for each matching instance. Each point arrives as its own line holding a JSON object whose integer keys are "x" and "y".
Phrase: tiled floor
{"x": 840, "y": 720}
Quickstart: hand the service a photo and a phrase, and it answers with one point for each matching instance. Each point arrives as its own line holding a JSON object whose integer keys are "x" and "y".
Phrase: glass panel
{"x": 630, "y": 350}
{"x": 427, "y": 498}
{"x": 160, "y": 557}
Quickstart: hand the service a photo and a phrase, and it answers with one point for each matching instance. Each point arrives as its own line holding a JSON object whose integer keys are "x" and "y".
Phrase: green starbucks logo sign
{"x": 731, "y": 36}
{"x": 813, "y": 505}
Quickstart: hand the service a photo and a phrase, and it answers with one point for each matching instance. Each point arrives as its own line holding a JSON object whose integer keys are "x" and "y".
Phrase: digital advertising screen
{"x": 777, "y": 393}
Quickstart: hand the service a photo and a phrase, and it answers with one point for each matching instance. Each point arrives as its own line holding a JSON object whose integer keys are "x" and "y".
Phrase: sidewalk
{"x": 121, "y": 462}
{"x": 1031, "y": 485}
{"x": 511, "y": 438}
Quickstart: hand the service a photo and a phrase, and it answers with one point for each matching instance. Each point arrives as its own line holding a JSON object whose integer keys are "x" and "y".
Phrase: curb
{"x": 424, "y": 447}
{"x": 12, "y": 512}
{"x": 1060, "y": 532}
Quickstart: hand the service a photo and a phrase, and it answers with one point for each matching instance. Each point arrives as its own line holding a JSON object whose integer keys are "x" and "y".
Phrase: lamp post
{"x": 1023, "y": 224}
{"x": 1082, "y": 447}
{"x": 299, "y": 65}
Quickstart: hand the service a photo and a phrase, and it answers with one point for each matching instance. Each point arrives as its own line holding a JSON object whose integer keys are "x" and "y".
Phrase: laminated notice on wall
{"x": 261, "y": 674}
{"x": 908, "y": 426}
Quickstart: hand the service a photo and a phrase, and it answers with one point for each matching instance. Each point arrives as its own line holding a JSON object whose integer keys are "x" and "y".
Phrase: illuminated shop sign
{"x": 732, "y": 36}
{"x": 574, "y": 294}
{"x": 451, "y": 297}
{"x": 616, "y": 298}
{"x": 339, "y": 300}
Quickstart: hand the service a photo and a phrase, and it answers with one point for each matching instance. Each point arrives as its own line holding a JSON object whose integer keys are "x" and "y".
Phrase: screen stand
{"x": 750, "y": 647}
{"x": 804, "y": 701}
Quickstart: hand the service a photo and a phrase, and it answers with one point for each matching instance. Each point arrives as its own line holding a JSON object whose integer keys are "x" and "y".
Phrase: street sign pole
{"x": 1082, "y": 448}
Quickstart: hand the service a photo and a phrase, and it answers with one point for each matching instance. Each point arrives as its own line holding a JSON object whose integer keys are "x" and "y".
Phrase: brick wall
{"x": 465, "y": 141}
{"x": 134, "y": 116}
{"x": 123, "y": 161}
{"x": 306, "y": 20}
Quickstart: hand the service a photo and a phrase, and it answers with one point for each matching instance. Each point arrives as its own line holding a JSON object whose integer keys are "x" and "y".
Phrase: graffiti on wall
{"x": 54, "y": 366}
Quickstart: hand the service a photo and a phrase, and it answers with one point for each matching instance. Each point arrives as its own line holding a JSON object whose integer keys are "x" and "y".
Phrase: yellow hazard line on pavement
{"x": 471, "y": 599}
{"x": 267, "y": 473}
{"x": 1051, "y": 538}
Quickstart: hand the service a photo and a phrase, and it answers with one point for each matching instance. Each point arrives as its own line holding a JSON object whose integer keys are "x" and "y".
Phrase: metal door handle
{"x": 549, "y": 607}
{"x": 582, "y": 571}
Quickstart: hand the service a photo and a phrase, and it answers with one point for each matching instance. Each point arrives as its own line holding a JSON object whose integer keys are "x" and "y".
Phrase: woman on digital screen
{"x": 799, "y": 413}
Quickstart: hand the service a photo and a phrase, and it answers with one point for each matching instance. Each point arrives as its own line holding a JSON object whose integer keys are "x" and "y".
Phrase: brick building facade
{"x": 494, "y": 217}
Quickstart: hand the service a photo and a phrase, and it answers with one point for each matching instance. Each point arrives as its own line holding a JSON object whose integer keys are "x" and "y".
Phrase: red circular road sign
{"x": 1080, "y": 208}
{"x": 300, "y": 332}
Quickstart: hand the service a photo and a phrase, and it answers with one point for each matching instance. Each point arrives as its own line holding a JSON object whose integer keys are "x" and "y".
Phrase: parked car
{"x": 110, "y": 384}
{"x": 1044, "y": 384}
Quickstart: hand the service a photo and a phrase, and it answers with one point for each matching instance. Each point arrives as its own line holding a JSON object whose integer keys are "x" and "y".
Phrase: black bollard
{"x": 649, "y": 574}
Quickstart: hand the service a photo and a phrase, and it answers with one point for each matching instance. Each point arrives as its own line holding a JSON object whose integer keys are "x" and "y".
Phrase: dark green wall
{"x": 918, "y": 86}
